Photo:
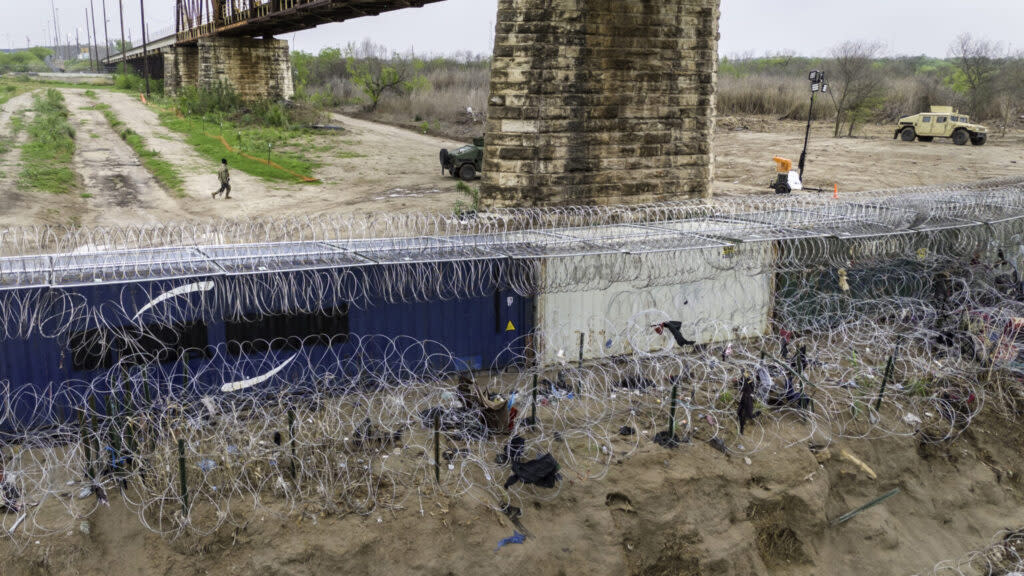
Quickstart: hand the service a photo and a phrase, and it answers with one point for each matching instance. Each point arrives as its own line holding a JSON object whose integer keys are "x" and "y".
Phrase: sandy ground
{"x": 372, "y": 166}
{"x": 744, "y": 148}
{"x": 397, "y": 170}
{"x": 688, "y": 511}
{"x": 684, "y": 512}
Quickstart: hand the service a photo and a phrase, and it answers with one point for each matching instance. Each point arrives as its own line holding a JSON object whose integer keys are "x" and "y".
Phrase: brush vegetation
{"x": 257, "y": 132}
{"x": 449, "y": 95}
{"x": 46, "y": 156}
{"x": 440, "y": 95}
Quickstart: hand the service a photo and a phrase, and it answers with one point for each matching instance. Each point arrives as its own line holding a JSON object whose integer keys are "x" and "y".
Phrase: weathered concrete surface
{"x": 181, "y": 68}
{"x": 601, "y": 101}
{"x": 256, "y": 69}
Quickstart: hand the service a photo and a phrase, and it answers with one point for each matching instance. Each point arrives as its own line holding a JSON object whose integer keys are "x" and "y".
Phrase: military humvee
{"x": 941, "y": 122}
{"x": 464, "y": 162}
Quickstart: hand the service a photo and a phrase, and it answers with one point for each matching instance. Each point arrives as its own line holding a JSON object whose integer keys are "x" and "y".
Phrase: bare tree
{"x": 1009, "y": 87}
{"x": 978, "y": 62}
{"x": 856, "y": 82}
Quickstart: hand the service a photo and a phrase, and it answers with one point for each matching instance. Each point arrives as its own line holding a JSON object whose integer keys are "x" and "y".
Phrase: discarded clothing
{"x": 764, "y": 381}
{"x": 745, "y": 410}
{"x": 9, "y": 496}
{"x": 666, "y": 439}
{"x": 513, "y": 451}
{"x": 515, "y": 538}
{"x": 626, "y": 431}
{"x": 541, "y": 471}
{"x": 673, "y": 326}
{"x": 719, "y": 445}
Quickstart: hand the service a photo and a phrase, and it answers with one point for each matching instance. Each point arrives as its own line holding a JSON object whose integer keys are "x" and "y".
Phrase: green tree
{"x": 375, "y": 73}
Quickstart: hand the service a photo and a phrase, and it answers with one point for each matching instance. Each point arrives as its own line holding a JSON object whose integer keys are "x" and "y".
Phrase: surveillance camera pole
{"x": 818, "y": 84}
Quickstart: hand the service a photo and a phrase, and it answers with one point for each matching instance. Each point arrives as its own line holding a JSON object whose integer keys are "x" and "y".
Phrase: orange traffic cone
{"x": 835, "y": 192}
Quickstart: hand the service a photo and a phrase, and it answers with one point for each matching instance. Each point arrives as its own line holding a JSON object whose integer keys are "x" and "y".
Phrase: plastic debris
{"x": 515, "y": 538}
{"x": 18, "y": 523}
{"x": 207, "y": 465}
{"x": 911, "y": 419}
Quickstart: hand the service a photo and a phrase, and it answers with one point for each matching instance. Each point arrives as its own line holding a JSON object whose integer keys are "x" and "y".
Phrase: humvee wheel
{"x": 926, "y": 138}
{"x": 979, "y": 139}
{"x": 467, "y": 172}
{"x": 960, "y": 137}
{"x": 908, "y": 134}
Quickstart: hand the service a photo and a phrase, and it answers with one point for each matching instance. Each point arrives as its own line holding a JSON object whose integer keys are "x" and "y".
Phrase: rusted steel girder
{"x": 252, "y": 18}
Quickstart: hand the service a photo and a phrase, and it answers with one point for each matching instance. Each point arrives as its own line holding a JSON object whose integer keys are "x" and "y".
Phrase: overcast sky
{"x": 806, "y": 27}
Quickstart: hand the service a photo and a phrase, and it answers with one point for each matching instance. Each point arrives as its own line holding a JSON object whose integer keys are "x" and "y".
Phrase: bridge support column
{"x": 601, "y": 101}
{"x": 256, "y": 69}
{"x": 181, "y": 68}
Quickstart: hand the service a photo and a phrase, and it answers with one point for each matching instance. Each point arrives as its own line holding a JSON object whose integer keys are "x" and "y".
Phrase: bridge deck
{"x": 255, "y": 18}
{"x": 276, "y": 17}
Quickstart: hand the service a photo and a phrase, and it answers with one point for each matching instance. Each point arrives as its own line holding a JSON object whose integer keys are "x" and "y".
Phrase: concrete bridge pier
{"x": 601, "y": 101}
{"x": 255, "y": 68}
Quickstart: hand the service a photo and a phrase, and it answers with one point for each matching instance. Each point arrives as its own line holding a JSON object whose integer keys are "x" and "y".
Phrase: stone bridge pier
{"x": 601, "y": 101}
{"x": 255, "y": 68}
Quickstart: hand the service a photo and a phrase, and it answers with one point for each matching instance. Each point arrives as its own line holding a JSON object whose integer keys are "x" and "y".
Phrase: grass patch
{"x": 46, "y": 157}
{"x": 246, "y": 140}
{"x": 85, "y": 195}
{"x": 164, "y": 172}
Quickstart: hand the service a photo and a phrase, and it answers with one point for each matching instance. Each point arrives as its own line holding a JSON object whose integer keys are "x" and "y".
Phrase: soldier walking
{"x": 225, "y": 179}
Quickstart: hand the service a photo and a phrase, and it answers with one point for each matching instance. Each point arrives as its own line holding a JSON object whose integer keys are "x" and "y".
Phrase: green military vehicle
{"x": 465, "y": 162}
{"x": 941, "y": 122}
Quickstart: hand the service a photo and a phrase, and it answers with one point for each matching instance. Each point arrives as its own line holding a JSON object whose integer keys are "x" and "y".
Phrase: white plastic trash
{"x": 794, "y": 181}
{"x": 911, "y": 419}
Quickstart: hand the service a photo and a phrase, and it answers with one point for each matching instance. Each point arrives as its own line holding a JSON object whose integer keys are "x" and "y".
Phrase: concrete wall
{"x": 601, "y": 101}
{"x": 256, "y": 69}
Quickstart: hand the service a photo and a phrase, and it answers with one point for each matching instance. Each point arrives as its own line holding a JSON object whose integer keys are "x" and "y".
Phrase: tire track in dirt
{"x": 123, "y": 191}
{"x": 199, "y": 175}
{"x": 15, "y": 207}
{"x": 394, "y": 169}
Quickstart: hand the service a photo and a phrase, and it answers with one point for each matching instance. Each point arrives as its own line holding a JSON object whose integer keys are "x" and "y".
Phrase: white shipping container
{"x": 719, "y": 293}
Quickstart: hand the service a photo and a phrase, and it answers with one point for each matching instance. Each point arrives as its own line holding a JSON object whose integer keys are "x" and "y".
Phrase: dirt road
{"x": 378, "y": 167}
{"x": 383, "y": 168}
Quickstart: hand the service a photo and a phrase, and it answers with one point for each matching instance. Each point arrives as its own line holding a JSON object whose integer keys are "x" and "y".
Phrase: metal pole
{"x": 672, "y": 412}
{"x": 106, "y": 36}
{"x": 885, "y": 380}
{"x": 582, "y": 336}
{"x": 807, "y": 137}
{"x": 145, "y": 55}
{"x": 533, "y": 405}
{"x": 291, "y": 438}
{"x": 95, "y": 40}
{"x": 88, "y": 42}
{"x": 124, "y": 61}
{"x": 56, "y": 31}
{"x": 437, "y": 447}
{"x": 184, "y": 480}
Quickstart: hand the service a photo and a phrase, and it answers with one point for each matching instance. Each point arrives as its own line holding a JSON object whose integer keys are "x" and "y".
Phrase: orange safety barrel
{"x": 784, "y": 165}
